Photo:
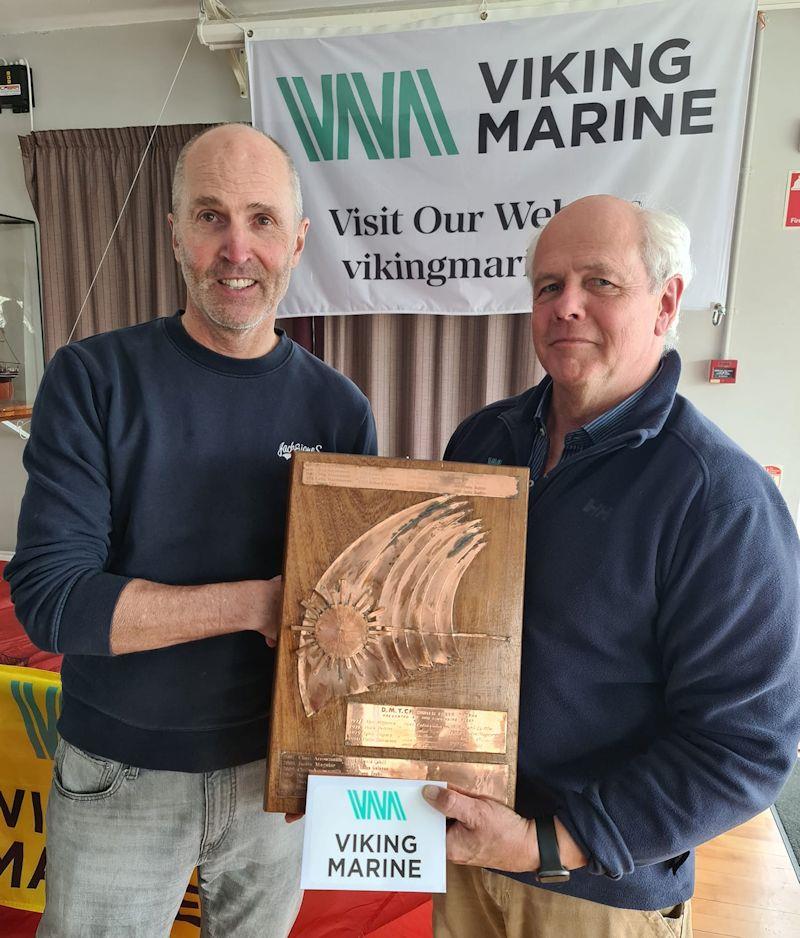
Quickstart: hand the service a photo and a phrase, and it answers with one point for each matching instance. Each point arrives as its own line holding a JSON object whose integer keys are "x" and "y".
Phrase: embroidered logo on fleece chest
{"x": 598, "y": 510}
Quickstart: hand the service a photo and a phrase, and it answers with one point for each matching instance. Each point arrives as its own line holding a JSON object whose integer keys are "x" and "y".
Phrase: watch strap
{"x": 551, "y": 871}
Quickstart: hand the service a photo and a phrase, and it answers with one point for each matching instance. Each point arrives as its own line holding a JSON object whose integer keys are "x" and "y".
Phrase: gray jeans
{"x": 122, "y": 843}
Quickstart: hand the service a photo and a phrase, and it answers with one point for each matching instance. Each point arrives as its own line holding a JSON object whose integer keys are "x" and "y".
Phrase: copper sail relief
{"x": 383, "y": 609}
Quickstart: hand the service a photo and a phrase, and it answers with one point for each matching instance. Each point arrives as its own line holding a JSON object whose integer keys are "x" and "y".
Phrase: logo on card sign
{"x": 369, "y": 805}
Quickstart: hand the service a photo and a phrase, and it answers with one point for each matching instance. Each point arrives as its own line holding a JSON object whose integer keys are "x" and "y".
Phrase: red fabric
{"x": 414, "y": 924}
{"x": 323, "y": 915}
{"x": 17, "y": 924}
{"x": 362, "y": 914}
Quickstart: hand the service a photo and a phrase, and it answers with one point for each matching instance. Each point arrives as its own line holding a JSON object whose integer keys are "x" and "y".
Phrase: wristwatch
{"x": 551, "y": 872}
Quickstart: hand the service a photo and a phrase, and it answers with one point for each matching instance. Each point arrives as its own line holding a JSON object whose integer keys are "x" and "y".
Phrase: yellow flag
{"x": 30, "y": 702}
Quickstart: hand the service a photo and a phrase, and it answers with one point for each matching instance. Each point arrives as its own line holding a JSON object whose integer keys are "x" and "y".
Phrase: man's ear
{"x": 669, "y": 304}
{"x": 174, "y": 235}
{"x": 300, "y": 241}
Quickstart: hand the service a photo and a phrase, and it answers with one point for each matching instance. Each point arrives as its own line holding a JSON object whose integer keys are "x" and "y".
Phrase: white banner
{"x": 428, "y": 157}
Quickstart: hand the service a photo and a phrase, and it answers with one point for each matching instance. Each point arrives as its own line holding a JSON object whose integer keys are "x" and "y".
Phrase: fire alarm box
{"x": 723, "y": 371}
{"x": 15, "y": 92}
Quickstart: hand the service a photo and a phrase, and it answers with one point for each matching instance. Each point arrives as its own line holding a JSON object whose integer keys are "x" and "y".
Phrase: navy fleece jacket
{"x": 660, "y": 698}
{"x": 153, "y": 457}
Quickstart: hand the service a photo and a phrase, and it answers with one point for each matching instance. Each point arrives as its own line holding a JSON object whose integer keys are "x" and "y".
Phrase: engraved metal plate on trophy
{"x": 399, "y": 650}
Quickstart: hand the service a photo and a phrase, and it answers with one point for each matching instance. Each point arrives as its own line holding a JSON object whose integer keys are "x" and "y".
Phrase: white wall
{"x": 119, "y": 76}
{"x": 762, "y": 410}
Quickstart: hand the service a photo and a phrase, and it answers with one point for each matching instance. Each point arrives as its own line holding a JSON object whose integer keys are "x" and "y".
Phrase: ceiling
{"x": 22, "y": 16}
{"x": 17, "y": 16}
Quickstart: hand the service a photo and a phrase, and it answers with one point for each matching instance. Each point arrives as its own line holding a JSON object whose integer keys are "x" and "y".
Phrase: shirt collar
{"x": 602, "y": 427}
{"x": 540, "y": 417}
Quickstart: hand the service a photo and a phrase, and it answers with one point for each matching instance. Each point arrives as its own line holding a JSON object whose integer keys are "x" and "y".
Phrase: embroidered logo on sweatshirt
{"x": 494, "y": 461}
{"x": 285, "y": 450}
{"x": 597, "y": 510}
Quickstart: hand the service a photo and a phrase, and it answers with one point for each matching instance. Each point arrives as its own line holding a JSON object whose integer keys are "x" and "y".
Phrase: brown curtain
{"x": 423, "y": 374}
{"x": 78, "y": 180}
{"x": 308, "y": 331}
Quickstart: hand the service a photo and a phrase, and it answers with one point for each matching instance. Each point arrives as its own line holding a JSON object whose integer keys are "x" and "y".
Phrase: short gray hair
{"x": 179, "y": 176}
{"x": 665, "y": 250}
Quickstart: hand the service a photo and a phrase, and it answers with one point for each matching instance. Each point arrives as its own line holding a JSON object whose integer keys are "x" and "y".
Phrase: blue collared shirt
{"x": 596, "y": 431}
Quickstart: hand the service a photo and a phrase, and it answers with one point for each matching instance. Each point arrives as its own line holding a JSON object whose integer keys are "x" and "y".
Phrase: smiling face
{"x": 235, "y": 232}
{"x": 598, "y": 324}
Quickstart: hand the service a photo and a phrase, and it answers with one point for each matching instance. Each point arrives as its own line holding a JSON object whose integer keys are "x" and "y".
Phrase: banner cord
{"x": 130, "y": 190}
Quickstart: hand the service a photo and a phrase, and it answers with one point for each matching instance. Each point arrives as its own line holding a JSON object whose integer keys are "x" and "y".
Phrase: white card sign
{"x": 372, "y": 834}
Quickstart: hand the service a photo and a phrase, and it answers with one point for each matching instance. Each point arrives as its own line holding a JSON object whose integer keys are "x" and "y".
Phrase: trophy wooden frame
{"x": 399, "y": 648}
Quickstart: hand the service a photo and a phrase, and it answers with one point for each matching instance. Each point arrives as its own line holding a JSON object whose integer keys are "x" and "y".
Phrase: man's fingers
{"x": 451, "y": 803}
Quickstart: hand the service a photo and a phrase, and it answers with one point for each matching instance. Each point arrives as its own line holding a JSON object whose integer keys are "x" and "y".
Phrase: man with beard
{"x": 150, "y": 543}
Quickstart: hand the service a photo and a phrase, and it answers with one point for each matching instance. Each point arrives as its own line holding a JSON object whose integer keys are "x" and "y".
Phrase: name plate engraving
{"x": 482, "y": 778}
{"x": 442, "y": 482}
{"x": 440, "y": 728}
{"x": 295, "y": 767}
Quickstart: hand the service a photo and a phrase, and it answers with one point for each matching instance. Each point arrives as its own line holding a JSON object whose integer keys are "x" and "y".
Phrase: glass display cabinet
{"x": 21, "y": 355}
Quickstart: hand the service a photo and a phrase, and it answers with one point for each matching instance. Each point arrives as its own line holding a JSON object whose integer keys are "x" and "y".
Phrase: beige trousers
{"x": 480, "y": 904}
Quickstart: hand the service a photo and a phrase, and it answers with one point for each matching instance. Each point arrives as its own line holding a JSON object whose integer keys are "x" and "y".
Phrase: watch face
{"x": 553, "y": 877}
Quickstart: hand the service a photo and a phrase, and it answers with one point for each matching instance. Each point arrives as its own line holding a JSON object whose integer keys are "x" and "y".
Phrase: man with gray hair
{"x": 660, "y": 693}
{"x": 150, "y": 546}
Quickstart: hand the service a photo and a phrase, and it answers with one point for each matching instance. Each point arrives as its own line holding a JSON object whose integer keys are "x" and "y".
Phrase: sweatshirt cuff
{"x": 590, "y": 825}
{"x": 84, "y": 626}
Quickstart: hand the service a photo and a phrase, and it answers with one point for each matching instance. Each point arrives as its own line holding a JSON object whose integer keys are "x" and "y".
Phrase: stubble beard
{"x": 272, "y": 286}
{"x": 230, "y": 325}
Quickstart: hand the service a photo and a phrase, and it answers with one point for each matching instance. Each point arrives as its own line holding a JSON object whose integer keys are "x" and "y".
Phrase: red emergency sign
{"x": 792, "y": 216}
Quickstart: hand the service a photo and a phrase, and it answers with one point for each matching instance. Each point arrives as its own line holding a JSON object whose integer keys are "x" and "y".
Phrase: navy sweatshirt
{"x": 660, "y": 697}
{"x": 153, "y": 457}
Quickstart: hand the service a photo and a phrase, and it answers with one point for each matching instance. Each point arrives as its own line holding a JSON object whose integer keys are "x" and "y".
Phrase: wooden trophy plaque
{"x": 399, "y": 649}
